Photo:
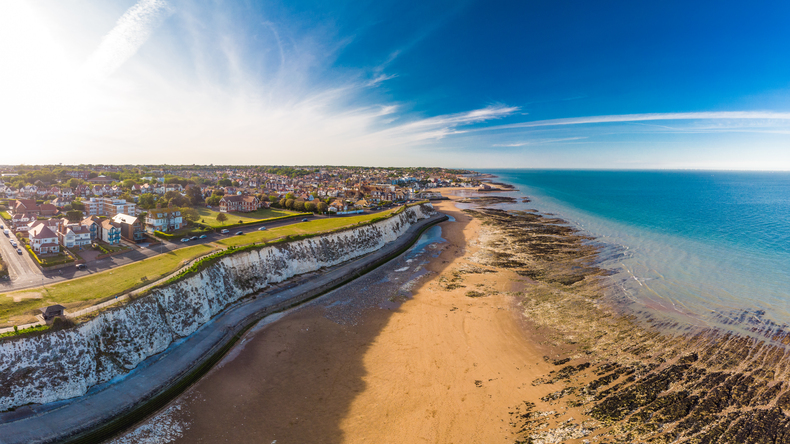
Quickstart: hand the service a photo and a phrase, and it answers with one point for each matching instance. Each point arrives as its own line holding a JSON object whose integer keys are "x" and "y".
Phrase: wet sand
{"x": 499, "y": 334}
{"x": 373, "y": 362}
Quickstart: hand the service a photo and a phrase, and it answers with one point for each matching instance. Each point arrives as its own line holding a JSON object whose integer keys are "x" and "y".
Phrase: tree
{"x": 221, "y": 218}
{"x": 189, "y": 214}
{"x": 282, "y": 202}
{"x": 147, "y": 201}
{"x": 225, "y": 182}
{"x": 74, "y": 182}
{"x": 310, "y": 206}
{"x": 299, "y": 205}
{"x": 194, "y": 195}
{"x": 77, "y": 205}
{"x": 74, "y": 216}
{"x": 290, "y": 195}
{"x": 289, "y": 204}
{"x": 322, "y": 207}
{"x": 213, "y": 200}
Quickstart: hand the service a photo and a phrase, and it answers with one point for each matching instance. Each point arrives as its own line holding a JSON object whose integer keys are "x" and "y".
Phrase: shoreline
{"x": 121, "y": 403}
{"x": 642, "y": 383}
{"x": 399, "y": 355}
{"x": 505, "y": 327}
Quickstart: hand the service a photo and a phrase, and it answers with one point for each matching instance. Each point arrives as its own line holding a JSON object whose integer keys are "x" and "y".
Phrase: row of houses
{"x": 50, "y": 235}
{"x": 66, "y": 194}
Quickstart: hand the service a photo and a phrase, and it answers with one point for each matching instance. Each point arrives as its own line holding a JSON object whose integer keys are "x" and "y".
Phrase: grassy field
{"x": 81, "y": 292}
{"x": 310, "y": 227}
{"x": 210, "y": 216}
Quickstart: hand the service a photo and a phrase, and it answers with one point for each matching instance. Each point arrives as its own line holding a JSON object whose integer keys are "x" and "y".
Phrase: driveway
{"x": 89, "y": 254}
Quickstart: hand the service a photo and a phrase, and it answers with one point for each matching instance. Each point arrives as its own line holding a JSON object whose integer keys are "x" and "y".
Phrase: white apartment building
{"x": 105, "y": 206}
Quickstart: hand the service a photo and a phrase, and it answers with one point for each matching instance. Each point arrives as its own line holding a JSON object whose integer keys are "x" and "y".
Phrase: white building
{"x": 43, "y": 240}
{"x": 164, "y": 220}
{"x": 74, "y": 235}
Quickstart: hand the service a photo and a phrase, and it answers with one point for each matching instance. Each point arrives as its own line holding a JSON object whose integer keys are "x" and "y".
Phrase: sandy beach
{"x": 493, "y": 329}
{"x": 434, "y": 365}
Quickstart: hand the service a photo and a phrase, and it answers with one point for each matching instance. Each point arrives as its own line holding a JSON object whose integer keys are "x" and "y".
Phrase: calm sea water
{"x": 702, "y": 247}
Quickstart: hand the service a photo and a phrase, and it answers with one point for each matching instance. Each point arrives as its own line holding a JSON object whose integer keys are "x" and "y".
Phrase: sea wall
{"x": 66, "y": 363}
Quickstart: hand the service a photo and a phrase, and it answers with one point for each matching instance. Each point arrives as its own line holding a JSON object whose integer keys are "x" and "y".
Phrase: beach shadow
{"x": 295, "y": 380}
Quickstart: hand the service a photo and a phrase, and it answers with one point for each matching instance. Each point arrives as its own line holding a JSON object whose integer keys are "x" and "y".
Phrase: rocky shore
{"x": 617, "y": 380}
{"x": 501, "y": 332}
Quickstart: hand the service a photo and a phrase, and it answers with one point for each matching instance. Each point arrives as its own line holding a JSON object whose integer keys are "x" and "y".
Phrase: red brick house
{"x": 239, "y": 204}
{"x": 29, "y": 206}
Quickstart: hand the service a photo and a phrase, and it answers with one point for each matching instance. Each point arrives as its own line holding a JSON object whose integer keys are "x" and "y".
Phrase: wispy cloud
{"x": 537, "y": 142}
{"x": 722, "y": 115}
{"x": 441, "y": 126}
{"x": 130, "y": 33}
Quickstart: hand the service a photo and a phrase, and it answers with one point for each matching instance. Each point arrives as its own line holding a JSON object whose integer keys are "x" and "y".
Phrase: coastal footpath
{"x": 103, "y": 357}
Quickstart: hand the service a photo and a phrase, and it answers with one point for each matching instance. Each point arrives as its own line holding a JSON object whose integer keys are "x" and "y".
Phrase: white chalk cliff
{"x": 65, "y": 364}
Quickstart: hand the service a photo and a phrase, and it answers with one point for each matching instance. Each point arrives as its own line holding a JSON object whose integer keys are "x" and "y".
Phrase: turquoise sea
{"x": 696, "y": 248}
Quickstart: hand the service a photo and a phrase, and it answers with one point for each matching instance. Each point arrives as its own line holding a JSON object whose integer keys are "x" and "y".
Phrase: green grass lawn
{"x": 5, "y": 215}
{"x": 82, "y": 292}
{"x": 210, "y": 216}
{"x": 310, "y": 227}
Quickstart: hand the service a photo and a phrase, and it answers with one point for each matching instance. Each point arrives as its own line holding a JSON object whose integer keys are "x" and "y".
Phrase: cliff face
{"x": 67, "y": 363}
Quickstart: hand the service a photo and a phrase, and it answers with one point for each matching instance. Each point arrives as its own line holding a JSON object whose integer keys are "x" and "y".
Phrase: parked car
{"x": 19, "y": 250}
{"x": 203, "y": 236}
{"x": 81, "y": 266}
{"x": 239, "y": 232}
{"x": 304, "y": 220}
{"x": 224, "y": 231}
{"x": 6, "y": 232}
{"x": 262, "y": 229}
{"x": 186, "y": 239}
{"x": 193, "y": 238}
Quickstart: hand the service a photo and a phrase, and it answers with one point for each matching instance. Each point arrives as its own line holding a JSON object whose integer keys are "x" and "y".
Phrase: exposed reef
{"x": 488, "y": 200}
{"x": 67, "y": 363}
{"x": 619, "y": 380}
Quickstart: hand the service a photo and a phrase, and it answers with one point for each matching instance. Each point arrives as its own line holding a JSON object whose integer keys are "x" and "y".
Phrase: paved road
{"x": 21, "y": 267}
{"x": 28, "y": 275}
{"x": 51, "y": 422}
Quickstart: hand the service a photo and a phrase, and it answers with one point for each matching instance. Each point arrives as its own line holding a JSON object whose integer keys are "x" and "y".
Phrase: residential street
{"x": 25, "y": 274}
{"x": 20, "y": 266}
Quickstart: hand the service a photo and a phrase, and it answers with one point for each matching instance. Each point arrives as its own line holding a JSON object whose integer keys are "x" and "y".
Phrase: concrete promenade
{"x": 59, "y": 421}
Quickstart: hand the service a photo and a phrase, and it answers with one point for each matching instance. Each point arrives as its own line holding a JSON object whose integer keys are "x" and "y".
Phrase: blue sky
{"x": 458, "y": 83}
